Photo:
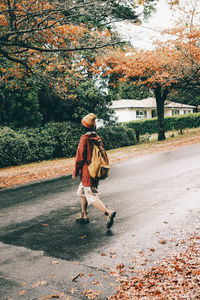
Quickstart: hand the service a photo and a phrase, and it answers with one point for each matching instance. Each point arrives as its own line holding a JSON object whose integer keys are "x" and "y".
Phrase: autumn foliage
{"x": 44, "y": 38}
{"x": 171, "y": 64}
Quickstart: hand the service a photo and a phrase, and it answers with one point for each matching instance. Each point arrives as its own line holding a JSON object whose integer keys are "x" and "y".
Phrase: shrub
{"x": 66, "y": 136}
{"x": 41, "y": 144}
{"x": 61, "y": 139}
{"x": 143, "y": 126}
{"x": 117, "y": 136}
{"x": 14, "y": 148}
{"x": 54, "y": 140}
{"x": 171, "y": 123}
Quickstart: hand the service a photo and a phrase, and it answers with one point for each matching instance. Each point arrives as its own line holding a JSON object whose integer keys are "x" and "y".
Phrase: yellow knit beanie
{"x": 89, "y": 121}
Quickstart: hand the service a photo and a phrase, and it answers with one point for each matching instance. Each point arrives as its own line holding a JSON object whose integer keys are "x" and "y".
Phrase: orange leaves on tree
{"x": 3, "y": 21}
{"x": 73, "y": 32}
{"x": 164, "y": 65}
{"x": 37, "y": 32}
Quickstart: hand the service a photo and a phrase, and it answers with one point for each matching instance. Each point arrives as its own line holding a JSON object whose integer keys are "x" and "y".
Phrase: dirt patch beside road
{"x": 12, "y": 176}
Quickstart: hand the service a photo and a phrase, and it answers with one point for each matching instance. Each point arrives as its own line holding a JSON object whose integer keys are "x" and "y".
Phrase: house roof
{"x": 145, "y": 103}
{"x": 178, "y": 105}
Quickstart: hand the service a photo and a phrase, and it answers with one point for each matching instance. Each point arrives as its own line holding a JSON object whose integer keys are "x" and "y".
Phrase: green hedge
{"x": 14, "y": 148}
{"x": 54, "y": 140}
{"x": 171, "y": 123}
{"x": 117, "y": 136}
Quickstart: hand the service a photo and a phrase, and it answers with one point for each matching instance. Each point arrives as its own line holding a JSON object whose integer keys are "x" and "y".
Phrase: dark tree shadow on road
{"x": 58, "y": 235}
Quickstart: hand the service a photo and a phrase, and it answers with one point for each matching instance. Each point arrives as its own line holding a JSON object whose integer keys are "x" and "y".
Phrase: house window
{"x": 141, "y": 114}
{"x": 154, "y": 113}
{"x": 187, "y": 112}
{"x": 175, "y": 112}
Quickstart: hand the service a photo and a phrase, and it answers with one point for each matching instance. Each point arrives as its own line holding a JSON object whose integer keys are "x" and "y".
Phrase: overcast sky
{"x": 142, "y": 36}
{"x": 163, "y": 16}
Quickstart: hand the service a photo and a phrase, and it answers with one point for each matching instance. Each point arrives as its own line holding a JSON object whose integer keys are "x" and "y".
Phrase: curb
{"x": 34, "y": 182}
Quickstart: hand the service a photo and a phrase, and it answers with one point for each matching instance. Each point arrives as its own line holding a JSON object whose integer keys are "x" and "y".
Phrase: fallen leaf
{"x": 72, "y": 291}
{"x": 152, "y": 249}
{"x": 95, "y": 282}
{"x": 59, "y": 295}
{"x": 83, "y": 236}
{"x": 55, "y": 262}
{"x": 23, "y": 284}
{"x": 103, "y": 254}
{"x": 22, "y": 292}
{"x": 144, "y": 262}
{"x": 105, "y": 266}
{"x": 162, "y": 242}
{"x": 112, "y": 273}
{"x": 157, "y": 233}
{"x": 120, "y": 266}
{"x": 91, "y": 294}
{"x": 39, "y": 283}
{"x": 173, "y": 240}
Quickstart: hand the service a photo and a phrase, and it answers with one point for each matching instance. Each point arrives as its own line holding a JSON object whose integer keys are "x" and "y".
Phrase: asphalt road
{"x": 43, "y": 249}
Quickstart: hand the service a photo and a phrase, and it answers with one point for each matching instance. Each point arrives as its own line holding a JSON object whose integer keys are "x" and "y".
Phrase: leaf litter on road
{"x": 173, "y": 277}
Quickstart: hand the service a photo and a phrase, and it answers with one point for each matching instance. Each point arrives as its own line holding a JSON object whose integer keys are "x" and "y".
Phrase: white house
{"x": 130, "y": 110}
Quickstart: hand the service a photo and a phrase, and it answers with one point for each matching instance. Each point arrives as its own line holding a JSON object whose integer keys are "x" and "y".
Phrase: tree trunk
{"x": 1, "y": 111}
{"x": 161, "y": 125}
{"x": 160, "y": 102}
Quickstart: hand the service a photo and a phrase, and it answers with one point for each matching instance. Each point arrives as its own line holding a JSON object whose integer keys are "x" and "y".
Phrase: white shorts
{"x": 89, "y": 192}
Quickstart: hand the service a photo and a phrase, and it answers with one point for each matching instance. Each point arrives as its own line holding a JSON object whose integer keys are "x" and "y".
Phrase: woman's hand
{"x": 73, "y": 177}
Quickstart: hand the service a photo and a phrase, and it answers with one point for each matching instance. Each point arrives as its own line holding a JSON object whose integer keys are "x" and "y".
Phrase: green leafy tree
{"x": 42, "y": 27}
{"x": 91, "y": 98}
{"x": 186, "y": 95}
{"x": 50, "y": 39}
{"x": 19, "y": 105}
{"x": 128, "y": 91}
{"x": 52, "y": 107}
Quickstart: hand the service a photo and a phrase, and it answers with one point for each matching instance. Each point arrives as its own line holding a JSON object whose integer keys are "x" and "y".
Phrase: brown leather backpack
{"x": 99, "y": 167}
